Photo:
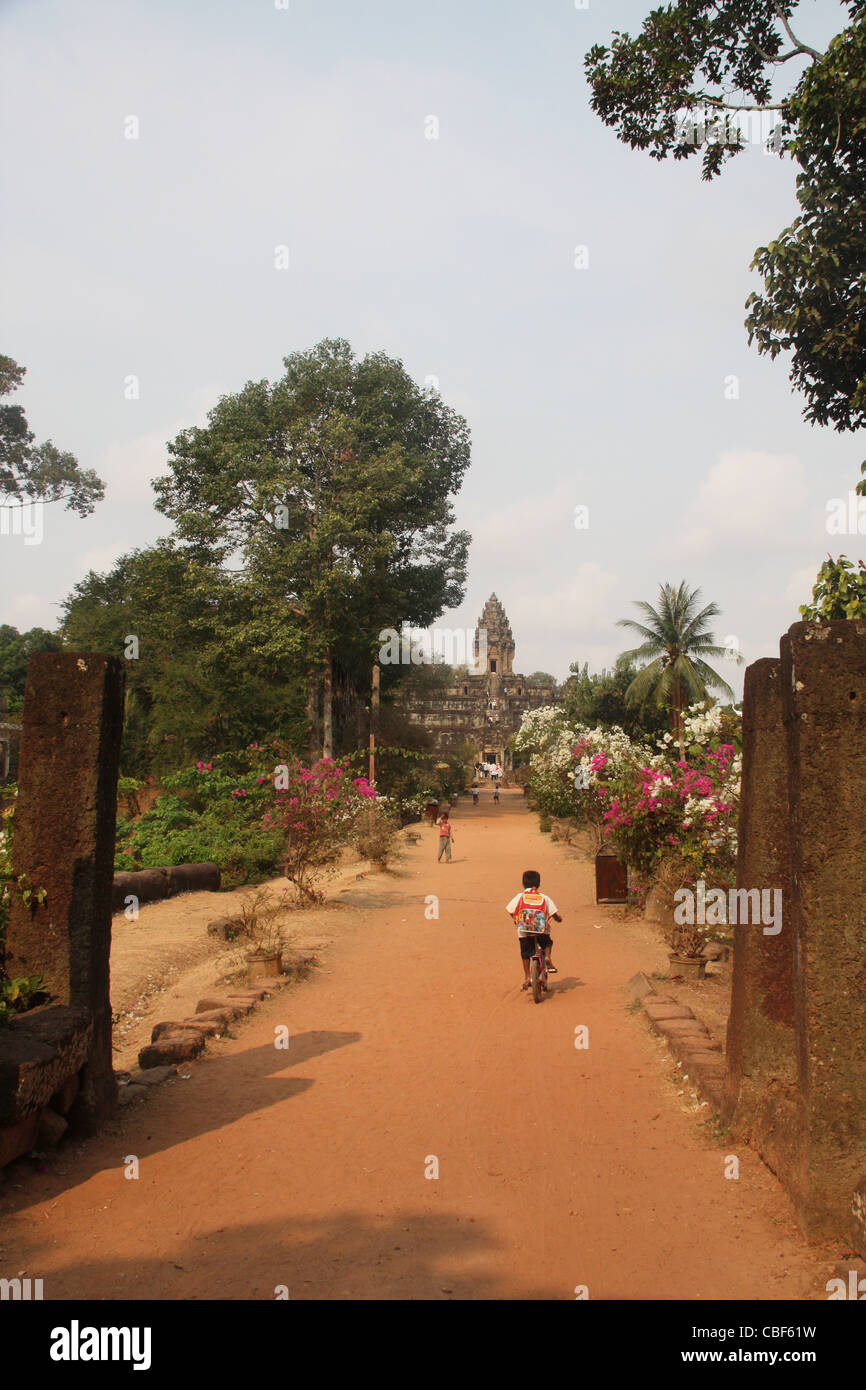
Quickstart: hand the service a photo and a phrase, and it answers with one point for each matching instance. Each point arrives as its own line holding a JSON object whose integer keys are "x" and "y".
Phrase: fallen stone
{"x": 640, "y": 985}
{"x": 127, "y": 1094}
{"x": 172, "y": 1047}
{"x": 211, "y": 1005}
{"x": 154, "y": 1077}
{"x": 704, "y": 1061}
{"x": 147, "y": 885}
{"x": 673, "y": 1026}
{"x": 221, "y": 1016}
{"x": 51, "y": 1130}
{"x": 683, "y": 1049}
{"x": 17, "y": 1139}
{"x": 241, "y": 1002}
{"x": 657, "y": 1011}
{"x": 209, "y": 1027}
{"x": 251, "y": 991}
{"x": 714, "y": 950}
{"x": 193, "y": 878}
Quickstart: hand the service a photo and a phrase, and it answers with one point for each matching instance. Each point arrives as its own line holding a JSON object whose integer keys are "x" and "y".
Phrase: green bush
{"x": 211, "y": 812}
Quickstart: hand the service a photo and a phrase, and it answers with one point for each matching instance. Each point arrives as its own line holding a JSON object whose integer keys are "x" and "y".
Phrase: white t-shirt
{"x": 549, "y": 905}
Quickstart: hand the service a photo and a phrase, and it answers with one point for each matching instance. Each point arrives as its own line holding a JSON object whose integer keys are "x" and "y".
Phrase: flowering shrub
{"x": 314, "y": 810}
{"x": 663, "y": 814}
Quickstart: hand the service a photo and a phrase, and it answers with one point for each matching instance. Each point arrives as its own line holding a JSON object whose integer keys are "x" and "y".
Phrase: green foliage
{"x": 205, "y": 678}
{"x": 16, "y": 649}
{"x": 200, "y": 816}
{"x": 22, "y": 993}
{"x": 601, "y": 699}
{"x": 692, "y": 54}
{"x": 839, "y": 592}
{"x": 331, "y": 490}
{"x": 31, "y": 472}
{"x": 727, "y": 55}
{"x": 814, "y": 300}
{"x": 677, "y": 638}
{"x": 19, "y": 995}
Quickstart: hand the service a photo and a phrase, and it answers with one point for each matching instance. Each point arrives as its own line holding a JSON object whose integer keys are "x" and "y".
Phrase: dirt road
{"x": 414, "y": 1051}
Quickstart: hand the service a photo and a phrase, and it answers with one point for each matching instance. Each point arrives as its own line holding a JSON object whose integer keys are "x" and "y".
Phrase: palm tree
{"x": 676, "y": 640}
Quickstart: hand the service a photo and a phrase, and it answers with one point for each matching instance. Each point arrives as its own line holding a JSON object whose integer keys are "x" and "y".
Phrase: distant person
{"x": 496, "y": 794}
{"x": 474, "y": 796}
{"x": 533, "y": 911}
{"x": 446, "y": 835}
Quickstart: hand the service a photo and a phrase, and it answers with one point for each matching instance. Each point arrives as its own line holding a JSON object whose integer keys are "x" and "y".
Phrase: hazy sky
{"x": 308, "y": 127}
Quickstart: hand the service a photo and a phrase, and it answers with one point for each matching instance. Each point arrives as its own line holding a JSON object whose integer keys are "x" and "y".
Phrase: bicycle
{"x": 538, "y": 974}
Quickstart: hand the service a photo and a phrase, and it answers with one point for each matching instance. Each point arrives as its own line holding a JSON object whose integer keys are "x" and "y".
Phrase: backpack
{"x": 531, "y": 913}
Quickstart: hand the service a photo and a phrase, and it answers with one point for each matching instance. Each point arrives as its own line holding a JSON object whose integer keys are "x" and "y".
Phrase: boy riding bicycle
{"x": 533, "y": 911}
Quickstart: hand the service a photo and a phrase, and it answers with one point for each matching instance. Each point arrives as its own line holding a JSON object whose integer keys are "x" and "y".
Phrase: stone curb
{"x": 172, "y": 1042}
{"x": 689, "y": 1041}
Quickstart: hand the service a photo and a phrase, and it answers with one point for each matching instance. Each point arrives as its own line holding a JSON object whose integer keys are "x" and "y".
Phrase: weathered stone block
{"x": 51, "y": 1130}
{"x": 18, "y": 1138}
{"x": 193, "y": 878}
{"x": 640, "y": 985}
{"x": 657, "y": 1011}
{"x": 221, "y": 1017}
{"x": 172, "y": 1047}
{"x": 64, "y": 842}
{"x": 146, "y": 885}
{"x": 213, "y": 1005}
{"x": 154, "y": 1077}
{"x": 39, "y": 1053}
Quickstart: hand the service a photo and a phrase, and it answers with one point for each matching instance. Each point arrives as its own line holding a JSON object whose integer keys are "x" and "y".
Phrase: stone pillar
{"x": 823, "y": 672}
{"x": 762, "y": 1076}
{"x": 64, "y": 842}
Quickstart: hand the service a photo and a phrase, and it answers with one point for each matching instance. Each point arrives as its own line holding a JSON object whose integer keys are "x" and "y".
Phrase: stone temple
{"x": 485, "y": 706}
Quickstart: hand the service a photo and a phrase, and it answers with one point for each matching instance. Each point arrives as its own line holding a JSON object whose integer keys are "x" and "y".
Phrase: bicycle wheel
{"x": 535, "y": 977}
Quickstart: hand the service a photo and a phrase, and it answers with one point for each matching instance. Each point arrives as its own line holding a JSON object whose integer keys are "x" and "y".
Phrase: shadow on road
{"x": 409, "y": 1255}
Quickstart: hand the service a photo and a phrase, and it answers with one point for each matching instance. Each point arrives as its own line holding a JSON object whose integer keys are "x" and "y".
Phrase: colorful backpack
{"x": 531, "y": 913}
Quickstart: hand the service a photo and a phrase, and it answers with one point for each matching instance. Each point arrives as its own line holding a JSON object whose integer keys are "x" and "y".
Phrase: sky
{"x": 432, "y": 171}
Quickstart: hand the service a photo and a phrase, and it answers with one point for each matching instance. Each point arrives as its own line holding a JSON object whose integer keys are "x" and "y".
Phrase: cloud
{"x": 749, "y": 500}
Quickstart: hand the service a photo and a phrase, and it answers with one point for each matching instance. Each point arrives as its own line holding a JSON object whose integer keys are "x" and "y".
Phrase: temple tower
{"x": 499, "y": 641}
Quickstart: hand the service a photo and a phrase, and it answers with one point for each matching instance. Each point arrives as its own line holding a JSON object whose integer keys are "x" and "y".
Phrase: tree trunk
{"x": 678, "y": 729}
{"x": 313, "y": 712}
{"x": 328, "y": 707}
{"x": 374, "y": 720}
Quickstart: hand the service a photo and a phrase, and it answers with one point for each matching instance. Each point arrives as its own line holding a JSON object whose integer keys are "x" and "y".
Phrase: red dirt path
{"x": 558, "y": 1167}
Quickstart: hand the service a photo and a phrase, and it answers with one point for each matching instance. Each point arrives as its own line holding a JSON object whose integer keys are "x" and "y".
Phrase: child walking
{"x": 446, "y": 835}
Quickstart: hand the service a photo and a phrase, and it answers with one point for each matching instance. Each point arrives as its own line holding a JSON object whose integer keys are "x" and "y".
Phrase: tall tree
{"x": 677, "y": 638}
{"x": 724, "y": 57}
{"x": 31, "y": 472}
{"x": 205, "y": 654}
{"x": 330, "y": 490}
{"x": 600, "y": 698}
